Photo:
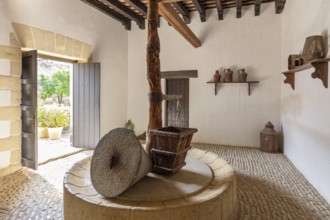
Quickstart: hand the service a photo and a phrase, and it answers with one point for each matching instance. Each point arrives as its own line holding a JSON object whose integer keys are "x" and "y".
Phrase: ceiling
{"x": 128, "y": 11}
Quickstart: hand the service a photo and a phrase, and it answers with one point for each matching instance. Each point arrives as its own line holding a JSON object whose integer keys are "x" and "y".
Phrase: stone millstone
{"x": 118, "y": 162}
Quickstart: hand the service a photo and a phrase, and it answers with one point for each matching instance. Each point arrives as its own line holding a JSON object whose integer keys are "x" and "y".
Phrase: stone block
{"x": 50, "y": 41}
{"x": 5, "y": 159}
{"x": 150, "y": 214}
{"x": 77, "y": 48}
{"x": 4, "y": 67}
{"x": 228, "y": 206}
{"x": 10, "y": 83}
{"x": 10, "y": 113}
{"x": 85, "y": 210}
{"x": 5, "y": 98}
{"x": 210, "y": 210}
{"x": 105, "y": 213}
{"x": 39, "y": 38}
{"x": 10, "y": 170}
{"x": 16, "y": 98}
{"x": 24, "y": 35}
{"x": 68, "y": 46}
{"x": 10, "y": 53}
{"x": 11, "y": 143}
{"x": 59, "y": 44}
{"x": 13, "y": 40}
{"x": 16, "y": 127}
{"x": 16, "y": 157}
{"x": 16, "y": 68}
{"x": 87, "y": 50}
{"x": 5, "y": 129}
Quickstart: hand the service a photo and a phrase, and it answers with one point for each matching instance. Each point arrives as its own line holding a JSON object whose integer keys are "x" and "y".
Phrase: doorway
{"x": 177, "y": 111}
{"x": 74, "y": 107}
{"x": 54, "y": 109}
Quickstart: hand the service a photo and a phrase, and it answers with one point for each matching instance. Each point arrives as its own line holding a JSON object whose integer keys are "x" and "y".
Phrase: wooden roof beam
{"x": 220, "y": 9}
{"x": 138, "y": 6}
{"x": 279, "y": 6}
{"x": 183, "y": 11}
{"x": 113, "y": 14}
{"x": 238, "y": 8}
{"x": 126, "y": 12}
{"x": 167, "y": 11}
{"x": 201, "y": 9}
{"x": 257, "y": 6}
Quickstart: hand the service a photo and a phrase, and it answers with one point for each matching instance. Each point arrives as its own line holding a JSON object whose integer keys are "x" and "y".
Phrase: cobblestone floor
{"x": 268, "y": 187}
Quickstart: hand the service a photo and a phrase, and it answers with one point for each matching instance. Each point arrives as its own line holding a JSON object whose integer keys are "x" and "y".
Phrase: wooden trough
{"x": 169, "y": 148}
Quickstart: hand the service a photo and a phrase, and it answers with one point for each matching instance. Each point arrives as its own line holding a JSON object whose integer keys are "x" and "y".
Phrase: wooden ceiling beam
{"x": 118, "y": 6}
{"x": 201, "y": 9}
{"x": 167, "y": 11}
{"x": 279, "y": 6}
{"x": 220, "y": 9}
{"x": 238, "y": 8}
{"x": 183, "y": 11}
{"x": 138, "y": 6}
{"x": 257, "y": 6}
{"x": 113, "y": 14}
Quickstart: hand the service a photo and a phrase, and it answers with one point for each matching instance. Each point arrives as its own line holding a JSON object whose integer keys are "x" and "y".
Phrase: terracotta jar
{"x": 313, "y": 48}
{"x": 228, "y": 75}
{"x": 217, "y": 76}
{"x": 242, "y": 75}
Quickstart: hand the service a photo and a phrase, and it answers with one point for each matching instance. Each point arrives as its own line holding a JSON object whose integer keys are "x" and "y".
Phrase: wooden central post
{"x": 153, "y": 72}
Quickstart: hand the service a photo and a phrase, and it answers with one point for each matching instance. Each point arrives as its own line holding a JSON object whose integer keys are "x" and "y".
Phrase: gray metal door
{"x": 86, "y": 104}
{"x": 29, "y": 110}
{"x": 177, "y": 112}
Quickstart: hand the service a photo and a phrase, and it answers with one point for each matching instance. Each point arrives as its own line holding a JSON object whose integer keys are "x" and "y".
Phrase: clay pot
{"x": 228, "y": 75}
{"x": 242, "y": 75}
{"x": 217, "y": 76}
{"x": 55, "y": 133}
{"x": 313, "y": 48}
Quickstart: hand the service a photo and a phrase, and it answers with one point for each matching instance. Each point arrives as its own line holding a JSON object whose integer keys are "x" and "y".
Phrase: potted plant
{"x": 42, "y": 127}
{"x": 55, "y": 119}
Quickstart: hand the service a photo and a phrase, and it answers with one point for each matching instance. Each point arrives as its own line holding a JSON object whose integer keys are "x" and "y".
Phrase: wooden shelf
{"x": 321, "y": 71}
{"x": 217, "y": 83}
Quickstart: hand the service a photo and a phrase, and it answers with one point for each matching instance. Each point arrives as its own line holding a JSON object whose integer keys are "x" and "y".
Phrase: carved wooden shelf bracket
{"x": 247, "y": 82}
{"x": 321, "y": 71}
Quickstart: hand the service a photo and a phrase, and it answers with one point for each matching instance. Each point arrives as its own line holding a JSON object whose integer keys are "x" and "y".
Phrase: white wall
{"x": 232, "y": 117}
{"x": 305, "y": 110}
{"x": 78, "y": 20}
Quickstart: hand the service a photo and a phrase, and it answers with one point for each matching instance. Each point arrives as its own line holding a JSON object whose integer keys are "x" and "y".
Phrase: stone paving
{"x": 268, "y": 187}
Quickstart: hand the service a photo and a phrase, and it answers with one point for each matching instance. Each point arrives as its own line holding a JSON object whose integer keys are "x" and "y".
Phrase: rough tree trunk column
{"x": 153, "y": 72}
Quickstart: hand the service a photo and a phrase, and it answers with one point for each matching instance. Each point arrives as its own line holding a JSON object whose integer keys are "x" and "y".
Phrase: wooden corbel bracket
{"x": 290, "y": 76}
{"x": 321, "y": 72}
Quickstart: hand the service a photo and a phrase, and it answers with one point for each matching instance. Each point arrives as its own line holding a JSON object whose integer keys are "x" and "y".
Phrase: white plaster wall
{"x": 232, "y": 117}
{"x": 305, "y": 110}
{"x": 80, "y": 21}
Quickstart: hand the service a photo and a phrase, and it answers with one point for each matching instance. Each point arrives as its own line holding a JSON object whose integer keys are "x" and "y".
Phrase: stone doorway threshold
{"x": 50, "y": 150}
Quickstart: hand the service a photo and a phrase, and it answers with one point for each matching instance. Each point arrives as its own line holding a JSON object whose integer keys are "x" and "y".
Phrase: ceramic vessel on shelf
{"x": 313, "y": 48}
{"x": 228, "y": 75}
{"x": 217, "y": 76}
{"x": 242, "y": 75}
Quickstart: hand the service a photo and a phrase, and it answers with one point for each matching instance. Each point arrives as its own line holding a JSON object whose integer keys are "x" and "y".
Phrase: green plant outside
{"x": 53, "y": 117}
{"x": 57, "y": 84}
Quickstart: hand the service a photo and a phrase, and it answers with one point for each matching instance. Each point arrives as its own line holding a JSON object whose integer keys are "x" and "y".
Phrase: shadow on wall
{"x": 318, "y": 137}
{"x": 292, "y": 105}
{"x": 326, "y": 41}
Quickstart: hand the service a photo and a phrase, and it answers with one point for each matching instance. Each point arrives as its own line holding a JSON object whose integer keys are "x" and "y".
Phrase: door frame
{"x": 179, "y": 74}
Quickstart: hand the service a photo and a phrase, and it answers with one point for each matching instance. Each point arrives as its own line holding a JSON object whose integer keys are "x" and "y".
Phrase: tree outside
{"x": 55, "y": 86}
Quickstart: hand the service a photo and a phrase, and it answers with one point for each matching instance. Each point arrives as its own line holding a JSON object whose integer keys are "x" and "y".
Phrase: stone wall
{"x": 10, "y": 111}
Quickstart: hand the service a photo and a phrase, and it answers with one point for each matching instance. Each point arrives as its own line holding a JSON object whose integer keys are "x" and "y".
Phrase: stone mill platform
{"x": 205, "y": 189}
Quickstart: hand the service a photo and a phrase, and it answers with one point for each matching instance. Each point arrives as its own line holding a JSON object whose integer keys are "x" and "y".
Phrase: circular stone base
{"x": 205, "y": 189}
{"x": 192, "y": 178}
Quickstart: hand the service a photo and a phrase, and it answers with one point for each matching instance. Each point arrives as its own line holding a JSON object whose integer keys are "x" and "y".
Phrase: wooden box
{"x": 169, "y": 148}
